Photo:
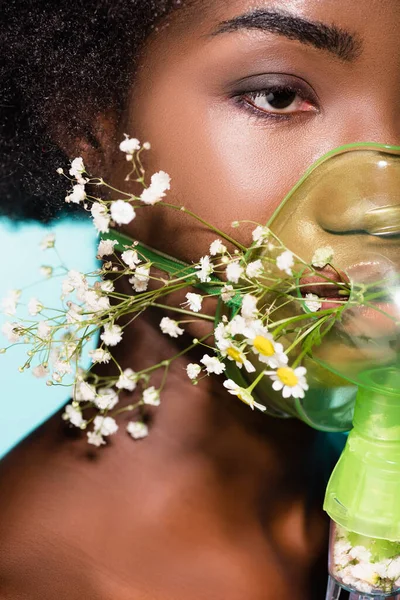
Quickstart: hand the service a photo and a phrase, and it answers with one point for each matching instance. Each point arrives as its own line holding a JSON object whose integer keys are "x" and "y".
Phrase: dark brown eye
{"x": 279, "y": 101}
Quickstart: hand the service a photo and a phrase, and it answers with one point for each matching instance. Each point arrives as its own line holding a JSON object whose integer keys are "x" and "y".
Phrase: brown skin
{"x": 215, "y": 503}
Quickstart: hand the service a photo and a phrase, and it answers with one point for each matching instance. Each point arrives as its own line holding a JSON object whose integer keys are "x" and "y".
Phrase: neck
{"x": 267, "y": 458}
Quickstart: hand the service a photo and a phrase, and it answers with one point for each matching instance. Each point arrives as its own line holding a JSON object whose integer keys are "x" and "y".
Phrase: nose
{"x": 364, "y": 194}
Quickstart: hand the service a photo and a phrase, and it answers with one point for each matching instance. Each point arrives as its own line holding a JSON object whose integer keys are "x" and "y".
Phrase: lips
{"x": 378, "y": 318}
{"x": 326, "y": 283}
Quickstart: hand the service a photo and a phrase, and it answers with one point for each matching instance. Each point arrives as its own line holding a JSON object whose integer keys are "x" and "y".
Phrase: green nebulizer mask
{"x": 350, "y": 201}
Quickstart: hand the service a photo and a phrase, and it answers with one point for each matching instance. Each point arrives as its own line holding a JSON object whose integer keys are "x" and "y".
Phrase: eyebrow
{"x": 337, "y": 41}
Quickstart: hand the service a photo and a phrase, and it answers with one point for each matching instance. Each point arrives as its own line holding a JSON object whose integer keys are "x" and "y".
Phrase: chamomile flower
{"x": 243, "y": 395}
{"x": 234, "y": 353}
{"x": 264, "y": 346}
{"x": 292, "y": 382}
{"x": 213, "y": 365}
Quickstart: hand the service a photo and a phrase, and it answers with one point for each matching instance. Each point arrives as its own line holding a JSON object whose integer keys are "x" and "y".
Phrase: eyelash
{"x": 246, "y": 101}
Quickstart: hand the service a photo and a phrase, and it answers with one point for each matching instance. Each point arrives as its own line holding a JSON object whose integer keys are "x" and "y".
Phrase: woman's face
{"x": 238, "y": 98}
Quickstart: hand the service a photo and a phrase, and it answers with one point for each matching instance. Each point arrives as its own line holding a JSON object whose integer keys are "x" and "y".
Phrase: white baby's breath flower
{"x": 73, "y": 415}
{"x": 62, "y": 367}
{"x": 234, "y": 271}
{"x": 77, "y": 169}
{"x": 74, "y": 313}
{"x": 254, "y": 269}
{"x": 260, "y": 234}
{"x": 34, "y": 307}
{"x": 95, "y": 438}
{"x": 285, "y": 262}
{"x": 43, "y": 330}
{"x": 292, "y": 382}
{"x": 106, "y": 398}
{"x": 100, "y": 356}
{"x": 46, "y": 271}
{"x": 170, "y": 327}
{"x": 107, "y": 286}
{"x": 10, "y": 331}
{"x": 205, "y": 268}
{"x": 322, "y": 256}
{"x": 130, "y": 258}
{"x": 77, "y": 195}
{"x": 249, "y": 307}
{"x": 313, "y": 302}
{"x": 60, "y": 170}
{"x": 227, "y": 293}
{"x": 106, "y": 247}
{"x": 151, "y": 396}
{"x": 193, "y": 370}
{"x": 84, "y": 392}
{"x": 127, "y": 380}
{"x": 9, "y": 303}
{"x": 141, "y": 278}
{"x": 101, "y": 218}
{"x": 243, "y": 395}
{"x": 122, "y": 212}
{"x": 217, "y": 247}
{"x": 48, "y": 241}
{"x": 40, "y": 371}
{"x": 160, "y": 183}
{"x": 213, "y": 365}
{"x": 75, "y": 281}
{"x": 137, "y": 430}
{"x": 129, "y": 146}
{"x": 95, "y": 302}
{"x": 112, "y": 334}
{"x": 105, "y": 425}
{"x": 194, "y": 301}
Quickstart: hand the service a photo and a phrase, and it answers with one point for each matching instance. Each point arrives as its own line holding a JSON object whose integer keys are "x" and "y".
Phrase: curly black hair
{"x": 59, "y": 57}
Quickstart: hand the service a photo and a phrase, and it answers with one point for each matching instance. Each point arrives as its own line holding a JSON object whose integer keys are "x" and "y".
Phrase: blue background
{"x": 25, "y": 401}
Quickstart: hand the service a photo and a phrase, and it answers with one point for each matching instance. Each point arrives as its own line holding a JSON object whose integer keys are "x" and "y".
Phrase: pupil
{"x": 281, "y": 98}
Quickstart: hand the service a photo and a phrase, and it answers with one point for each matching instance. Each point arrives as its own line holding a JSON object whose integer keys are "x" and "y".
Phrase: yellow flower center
{"x": 287, "y": 376}
{"x": 264, "y": 346}
{"x": 235, "y": 355}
